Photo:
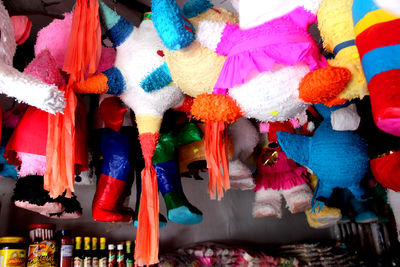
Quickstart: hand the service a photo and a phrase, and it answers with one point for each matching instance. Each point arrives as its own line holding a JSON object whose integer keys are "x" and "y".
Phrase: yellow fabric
{"x": 325, "y": 218}
{"x": 350, "y": 59}
{"x": 217, "y": 15}
{"x": 372, "y": 18}
{"x": 195, "y": 69}
{"x": 327, "y": 214}
{"x": 313, "y": 181}
{"x": 335, "y": 22}
{"x": 148, "y": 123}
{"x": 313, "y": 223}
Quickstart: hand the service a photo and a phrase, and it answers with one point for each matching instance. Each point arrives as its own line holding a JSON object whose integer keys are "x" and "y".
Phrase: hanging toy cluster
{"x": 262, "y": 107}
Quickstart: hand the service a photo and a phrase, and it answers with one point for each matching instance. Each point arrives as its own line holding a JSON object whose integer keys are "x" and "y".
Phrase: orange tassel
{"x": 146, "y": 249}
{"x": 82, "y": 57}
{"x": 84, "y": 43}
{"x": 60, "y": 155}
{"x": 216, "y": 150}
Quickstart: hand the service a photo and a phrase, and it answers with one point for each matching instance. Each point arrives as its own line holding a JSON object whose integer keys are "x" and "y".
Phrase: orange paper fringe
{"x": 84, "y": 43}
{"x": 60, "y": 149}
{"x": 215, "y": 145}
{"x": 146, "y": 249}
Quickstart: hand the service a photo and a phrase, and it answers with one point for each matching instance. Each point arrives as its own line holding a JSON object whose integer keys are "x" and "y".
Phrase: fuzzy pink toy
{"x": 28, "y": 140}
{"x": 281, "y": 178}
{"x": 54, "y": 37}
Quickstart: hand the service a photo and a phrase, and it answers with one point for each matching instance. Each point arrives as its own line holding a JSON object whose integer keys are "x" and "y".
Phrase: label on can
{"x": 87, "y": 262}
{"x": 95, "y": 262}
{"x": 103, "y": 262}
{"x": 129, "y": 263}
{"x": 78, "y": 262}
{"x": 66, "y": 251}
{"x": 120, "y": 258}
{"x": 12, "y": 257}
{"x": 42, "y": 254}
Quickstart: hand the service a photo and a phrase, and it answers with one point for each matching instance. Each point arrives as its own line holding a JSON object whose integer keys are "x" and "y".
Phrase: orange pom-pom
{"x": 96, "y": 84}
{"x": 323, "y": 85}
{"x": 216, "y": 108}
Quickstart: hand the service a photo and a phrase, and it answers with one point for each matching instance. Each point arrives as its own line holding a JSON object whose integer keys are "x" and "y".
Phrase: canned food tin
{"x": 12, "y": 251}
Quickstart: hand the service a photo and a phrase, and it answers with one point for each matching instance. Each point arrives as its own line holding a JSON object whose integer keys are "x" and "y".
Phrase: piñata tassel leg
{"x": 216, "y": 111}
{"x": 146, "y": 250}
{"x": 215, "y": 140}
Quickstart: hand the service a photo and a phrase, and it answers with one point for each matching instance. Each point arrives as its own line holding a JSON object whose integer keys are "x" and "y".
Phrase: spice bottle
{"x": 78, "y": 253}
{"x": 111, "y": 256}
{"x": 87, "y": 253}
{"x": 128, "y": 254}
{"x": 120, "y": 255}
{"x": 103, "y": 253}
{"x": 66, "y": 249}
{"x": 95, "y": 253}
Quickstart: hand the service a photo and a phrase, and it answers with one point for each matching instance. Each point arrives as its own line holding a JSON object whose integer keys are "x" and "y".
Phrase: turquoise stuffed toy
{"x": 338, "y": 158}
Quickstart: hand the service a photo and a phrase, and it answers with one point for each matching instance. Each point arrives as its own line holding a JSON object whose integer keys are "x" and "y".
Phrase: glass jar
{"x": 43, "y": 246}
{"x": 12, "y": 251}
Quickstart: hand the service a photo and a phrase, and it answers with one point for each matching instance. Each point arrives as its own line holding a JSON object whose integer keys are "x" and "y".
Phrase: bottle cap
{"x": 94, "y": 239}
{"x": 102, "y": 239}
{"x": 111, "y": 247}
{"x": 78, "y": 239}
{"x": 65, "y": 232}
{"x": 120, "y": 247}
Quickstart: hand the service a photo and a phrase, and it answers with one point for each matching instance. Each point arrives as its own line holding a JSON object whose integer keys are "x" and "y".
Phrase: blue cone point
{"x": 174, "y": 29}
{"x": 118, "y": 27}
{"x": 194, "y": 8}
{"x": 115, "y": 81}
{"x": 156, "y": 80}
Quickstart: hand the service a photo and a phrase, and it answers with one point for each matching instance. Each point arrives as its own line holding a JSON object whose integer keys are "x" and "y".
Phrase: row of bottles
{"x": 92, "y": 256}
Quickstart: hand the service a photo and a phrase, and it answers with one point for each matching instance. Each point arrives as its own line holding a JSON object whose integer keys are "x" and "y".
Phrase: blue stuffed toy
{"x": 338, "y": 158}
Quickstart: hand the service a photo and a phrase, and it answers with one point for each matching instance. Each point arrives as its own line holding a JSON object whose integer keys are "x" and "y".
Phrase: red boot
{"x": 105, "y": 202}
